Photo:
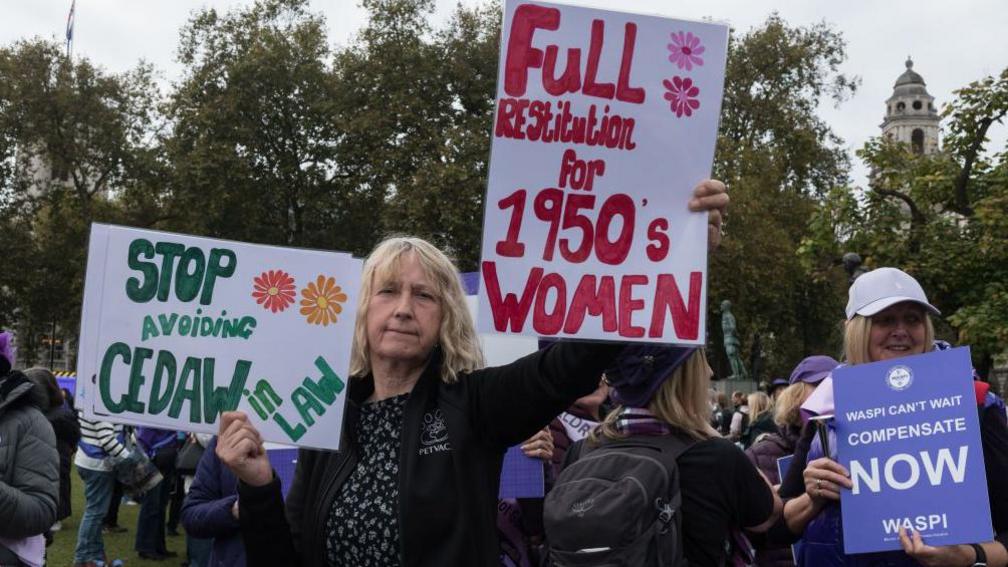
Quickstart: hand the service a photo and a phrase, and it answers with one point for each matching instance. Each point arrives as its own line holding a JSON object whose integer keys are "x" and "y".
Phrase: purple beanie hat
{"x": 6, "y": 352}
{"x": 640, "y": 370}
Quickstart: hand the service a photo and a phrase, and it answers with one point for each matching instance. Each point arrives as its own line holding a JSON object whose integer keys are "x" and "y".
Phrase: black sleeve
{"x": 511, "y": 402}
{"x": 793, "y": 483}
{"x": 994, "y": 437}
{"x": 755, "y": 497}
{"x": 266, "y": 534}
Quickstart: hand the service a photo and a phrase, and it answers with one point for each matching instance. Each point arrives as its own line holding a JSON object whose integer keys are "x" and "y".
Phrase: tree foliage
{"x": 73, "y": 140}
{"x": 778, "y": 159}
{"x": 271, "y": 135}
{"x": 941, "y": 217}
{"x": 253, "y": 141}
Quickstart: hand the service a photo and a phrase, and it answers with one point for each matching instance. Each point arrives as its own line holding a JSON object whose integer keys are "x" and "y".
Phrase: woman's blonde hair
{"x": 787, "y": 409}
{"x": 857, "y": 338}
{"x": 457, "y": 339}
{"x": 759, "y": 404}
{"x": 681, "y": 401}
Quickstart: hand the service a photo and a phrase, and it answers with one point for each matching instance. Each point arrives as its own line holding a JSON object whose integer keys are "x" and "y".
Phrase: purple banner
{"x": 908, "y": 432}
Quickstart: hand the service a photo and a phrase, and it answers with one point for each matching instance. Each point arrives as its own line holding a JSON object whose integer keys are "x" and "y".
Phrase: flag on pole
{"x": 70, "y": 22}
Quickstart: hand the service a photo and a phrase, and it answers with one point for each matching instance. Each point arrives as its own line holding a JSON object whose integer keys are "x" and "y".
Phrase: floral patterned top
{"x": 363, "y": 524}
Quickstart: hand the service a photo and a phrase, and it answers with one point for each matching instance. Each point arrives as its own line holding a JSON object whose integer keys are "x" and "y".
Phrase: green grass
{"x": 117, "y": 546}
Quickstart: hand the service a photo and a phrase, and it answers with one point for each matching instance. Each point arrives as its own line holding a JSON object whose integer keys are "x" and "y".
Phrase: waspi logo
{"x": 899, "y": 378}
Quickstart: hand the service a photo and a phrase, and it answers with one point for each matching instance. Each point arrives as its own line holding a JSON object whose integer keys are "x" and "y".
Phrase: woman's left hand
{"x": 710, "y": 195}
{"x": 928, "y": 556}
{"x": 540, "y": 445}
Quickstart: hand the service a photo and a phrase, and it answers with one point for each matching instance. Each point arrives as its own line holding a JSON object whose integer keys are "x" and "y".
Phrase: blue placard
{"x": 783, "y": 464}
{"x": 521, "y": 476}
{"x": 908, "y": 432}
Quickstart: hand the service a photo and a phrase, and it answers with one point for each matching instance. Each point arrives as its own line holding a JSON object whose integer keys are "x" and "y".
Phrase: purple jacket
{"x": 206, "y": 512}
{"x": 764, "y": 455}
{"x": 153, "y": 439}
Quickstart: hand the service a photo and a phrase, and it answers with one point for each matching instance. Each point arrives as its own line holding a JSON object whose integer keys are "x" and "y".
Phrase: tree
{"x": 71, "y": 135}
{"x": 418, "y": 105}
{"x": 941, "y": 217}
{"x": 778, "y": 159}
{"x": 253, "y": 147}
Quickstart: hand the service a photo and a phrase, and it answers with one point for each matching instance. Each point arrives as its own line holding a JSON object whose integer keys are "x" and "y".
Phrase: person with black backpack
{"x": 655, "y": 484}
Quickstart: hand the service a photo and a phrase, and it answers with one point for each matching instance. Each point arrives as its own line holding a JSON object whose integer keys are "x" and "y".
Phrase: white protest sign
{"x": 605, "y": 121}
{"x": 176, "y": 329}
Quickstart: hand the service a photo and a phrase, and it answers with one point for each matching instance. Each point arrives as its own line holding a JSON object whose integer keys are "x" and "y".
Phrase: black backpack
{"x": 618, "y": 504}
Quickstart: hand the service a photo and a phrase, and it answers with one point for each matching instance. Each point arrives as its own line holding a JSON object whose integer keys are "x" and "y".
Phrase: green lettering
{"x": 187, "y": 285}
{"x": 255, "y": 405}
{"x": 190, "y": 369}
{"x": 169, "y": 251}
{"x": 246, "y": 325}
{"x": 267, "y": 396}
{"x": 294, "y": 433}
{"x": 184, "y": 325}
{"x": 137, "y": 379}
{"x": 305, "y": 404}
{"x": 141, "y": 293}
{"x": 105, "y": 376}
{"x": 149, "y": 328}
{"x": 167, "y": 323}
{"x": 165, "y": 365}
{"x": 328, "y": 386}
{"x": 215, "y": 269}
{"x": 221, "y": 399}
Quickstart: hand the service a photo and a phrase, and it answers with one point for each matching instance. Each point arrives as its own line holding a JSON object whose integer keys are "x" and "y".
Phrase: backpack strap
{"x": 670, "y": 446}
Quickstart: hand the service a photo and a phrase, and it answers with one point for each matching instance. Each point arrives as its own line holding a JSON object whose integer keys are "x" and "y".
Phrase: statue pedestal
{"x": 730, "y": 384}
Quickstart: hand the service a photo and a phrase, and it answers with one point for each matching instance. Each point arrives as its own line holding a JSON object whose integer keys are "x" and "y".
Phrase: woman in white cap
{"x": 888, "y": 317}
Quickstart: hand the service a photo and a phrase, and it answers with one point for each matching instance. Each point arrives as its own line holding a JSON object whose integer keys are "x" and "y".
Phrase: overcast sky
{"x": 951, "y": 44}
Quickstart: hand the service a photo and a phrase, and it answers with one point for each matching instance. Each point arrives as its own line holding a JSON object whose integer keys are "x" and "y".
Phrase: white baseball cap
{"x": 875, "y": 290}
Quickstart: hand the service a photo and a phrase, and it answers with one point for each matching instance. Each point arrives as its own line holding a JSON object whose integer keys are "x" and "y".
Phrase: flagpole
{"x": 69, "y": 29}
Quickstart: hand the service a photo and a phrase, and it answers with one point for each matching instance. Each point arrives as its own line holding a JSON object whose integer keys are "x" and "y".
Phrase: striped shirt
{"x": 99, "y": 440}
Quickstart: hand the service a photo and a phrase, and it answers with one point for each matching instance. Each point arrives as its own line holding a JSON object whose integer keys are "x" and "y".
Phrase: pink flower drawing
{"x": 685, "y": 50}
{"x": 682, "y": 93}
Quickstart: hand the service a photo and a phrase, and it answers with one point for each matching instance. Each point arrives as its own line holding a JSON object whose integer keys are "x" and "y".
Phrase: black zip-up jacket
{"x": 451, "y": 448}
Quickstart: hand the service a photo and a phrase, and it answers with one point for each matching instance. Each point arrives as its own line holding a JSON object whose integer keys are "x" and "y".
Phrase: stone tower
{"x": 911, "y": 116}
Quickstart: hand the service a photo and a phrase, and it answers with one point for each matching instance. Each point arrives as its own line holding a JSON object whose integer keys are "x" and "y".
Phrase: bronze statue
{"x": 852, "y": 265}
{"x": 731, "y": 342}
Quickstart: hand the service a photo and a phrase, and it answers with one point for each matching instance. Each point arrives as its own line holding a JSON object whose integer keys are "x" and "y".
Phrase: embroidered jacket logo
{"x": 434, "y": 433}
{"x": 581, "y": 506}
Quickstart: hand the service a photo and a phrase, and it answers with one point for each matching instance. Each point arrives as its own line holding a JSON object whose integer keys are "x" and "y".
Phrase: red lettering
{"x": 594, "y": 302}
{"x": 627, "y": 305}
{"x": 659, "y": 247}
{"x": 573, "y": 219}
{"x": 624, "y": 91}
{"x": 591, "y": 88}
{"x": 509, "y": 311}
{"x": 614, "y": 252}
{"x": 547, "y": 207}
{"x": 505, "y": 114}
{"x": 521, "y": 56}
{"x": 510, "y": 246}
{"x": 550, "y": 323}
{"x": 570, "y": 82}
{"x": 685, "y": 319}
{"x": 580, "y": 174}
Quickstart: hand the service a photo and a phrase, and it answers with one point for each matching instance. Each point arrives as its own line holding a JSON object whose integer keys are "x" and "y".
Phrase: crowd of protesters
{"x": 396, "y": 495}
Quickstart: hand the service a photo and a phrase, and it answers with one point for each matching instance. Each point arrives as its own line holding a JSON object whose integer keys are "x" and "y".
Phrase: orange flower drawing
{"x": 320, "y": 301}
{"x": 274, "y": 290}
